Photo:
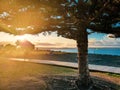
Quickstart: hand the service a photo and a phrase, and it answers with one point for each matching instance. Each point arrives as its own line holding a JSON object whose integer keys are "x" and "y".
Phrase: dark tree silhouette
{"x": 75, "y": 19}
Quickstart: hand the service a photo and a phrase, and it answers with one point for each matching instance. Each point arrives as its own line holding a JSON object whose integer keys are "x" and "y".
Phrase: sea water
{"x": 103, "y": 51}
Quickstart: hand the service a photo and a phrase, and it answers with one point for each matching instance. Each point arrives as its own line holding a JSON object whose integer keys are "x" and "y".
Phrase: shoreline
{"x": 92, "y": 68}
{"x": 96, "y": 59}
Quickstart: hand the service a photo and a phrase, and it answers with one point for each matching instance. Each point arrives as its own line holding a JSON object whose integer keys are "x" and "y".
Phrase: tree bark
{"x": 82, "y": 45}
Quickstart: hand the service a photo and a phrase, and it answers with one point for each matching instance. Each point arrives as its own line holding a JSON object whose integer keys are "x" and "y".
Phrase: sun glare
{"x": 21, "y": 38}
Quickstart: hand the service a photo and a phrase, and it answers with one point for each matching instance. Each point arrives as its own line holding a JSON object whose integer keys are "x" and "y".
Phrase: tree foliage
{"x": 63, "y": 16}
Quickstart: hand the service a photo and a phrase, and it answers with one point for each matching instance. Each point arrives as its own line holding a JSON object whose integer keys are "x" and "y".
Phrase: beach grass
{"x": 114, "y": 75}
{"x": 15, "y": 71}
{"x": 19, "y": 75}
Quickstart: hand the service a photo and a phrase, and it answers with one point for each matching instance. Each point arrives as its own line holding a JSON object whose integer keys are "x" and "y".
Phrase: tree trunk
{"x": 82, "y": 45}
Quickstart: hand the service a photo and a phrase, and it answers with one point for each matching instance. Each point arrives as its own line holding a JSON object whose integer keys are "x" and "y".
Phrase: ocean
{"x": 102, "y": 51}
{"x": 96, "y": 56}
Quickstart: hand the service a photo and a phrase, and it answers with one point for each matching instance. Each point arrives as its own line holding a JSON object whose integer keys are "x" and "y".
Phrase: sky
{"x": 25, "y": 16}
{"x": 96, "y": 40}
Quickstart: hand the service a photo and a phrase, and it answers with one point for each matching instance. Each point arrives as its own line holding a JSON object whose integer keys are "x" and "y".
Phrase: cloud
{"x": 50, "y": 45}
{"x": 105, "y": 42}
{"x": 110, "y": 36}
{"x": 46, "y": 44}
{"x": 7, "y": 38}
{"x": 53, "y": 44}
{"x": 63, "y": 42}
{"x": 52, "y": 41}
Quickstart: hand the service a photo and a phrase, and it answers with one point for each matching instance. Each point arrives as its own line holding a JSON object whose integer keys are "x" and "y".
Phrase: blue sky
{"x": 98, "y": 36}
